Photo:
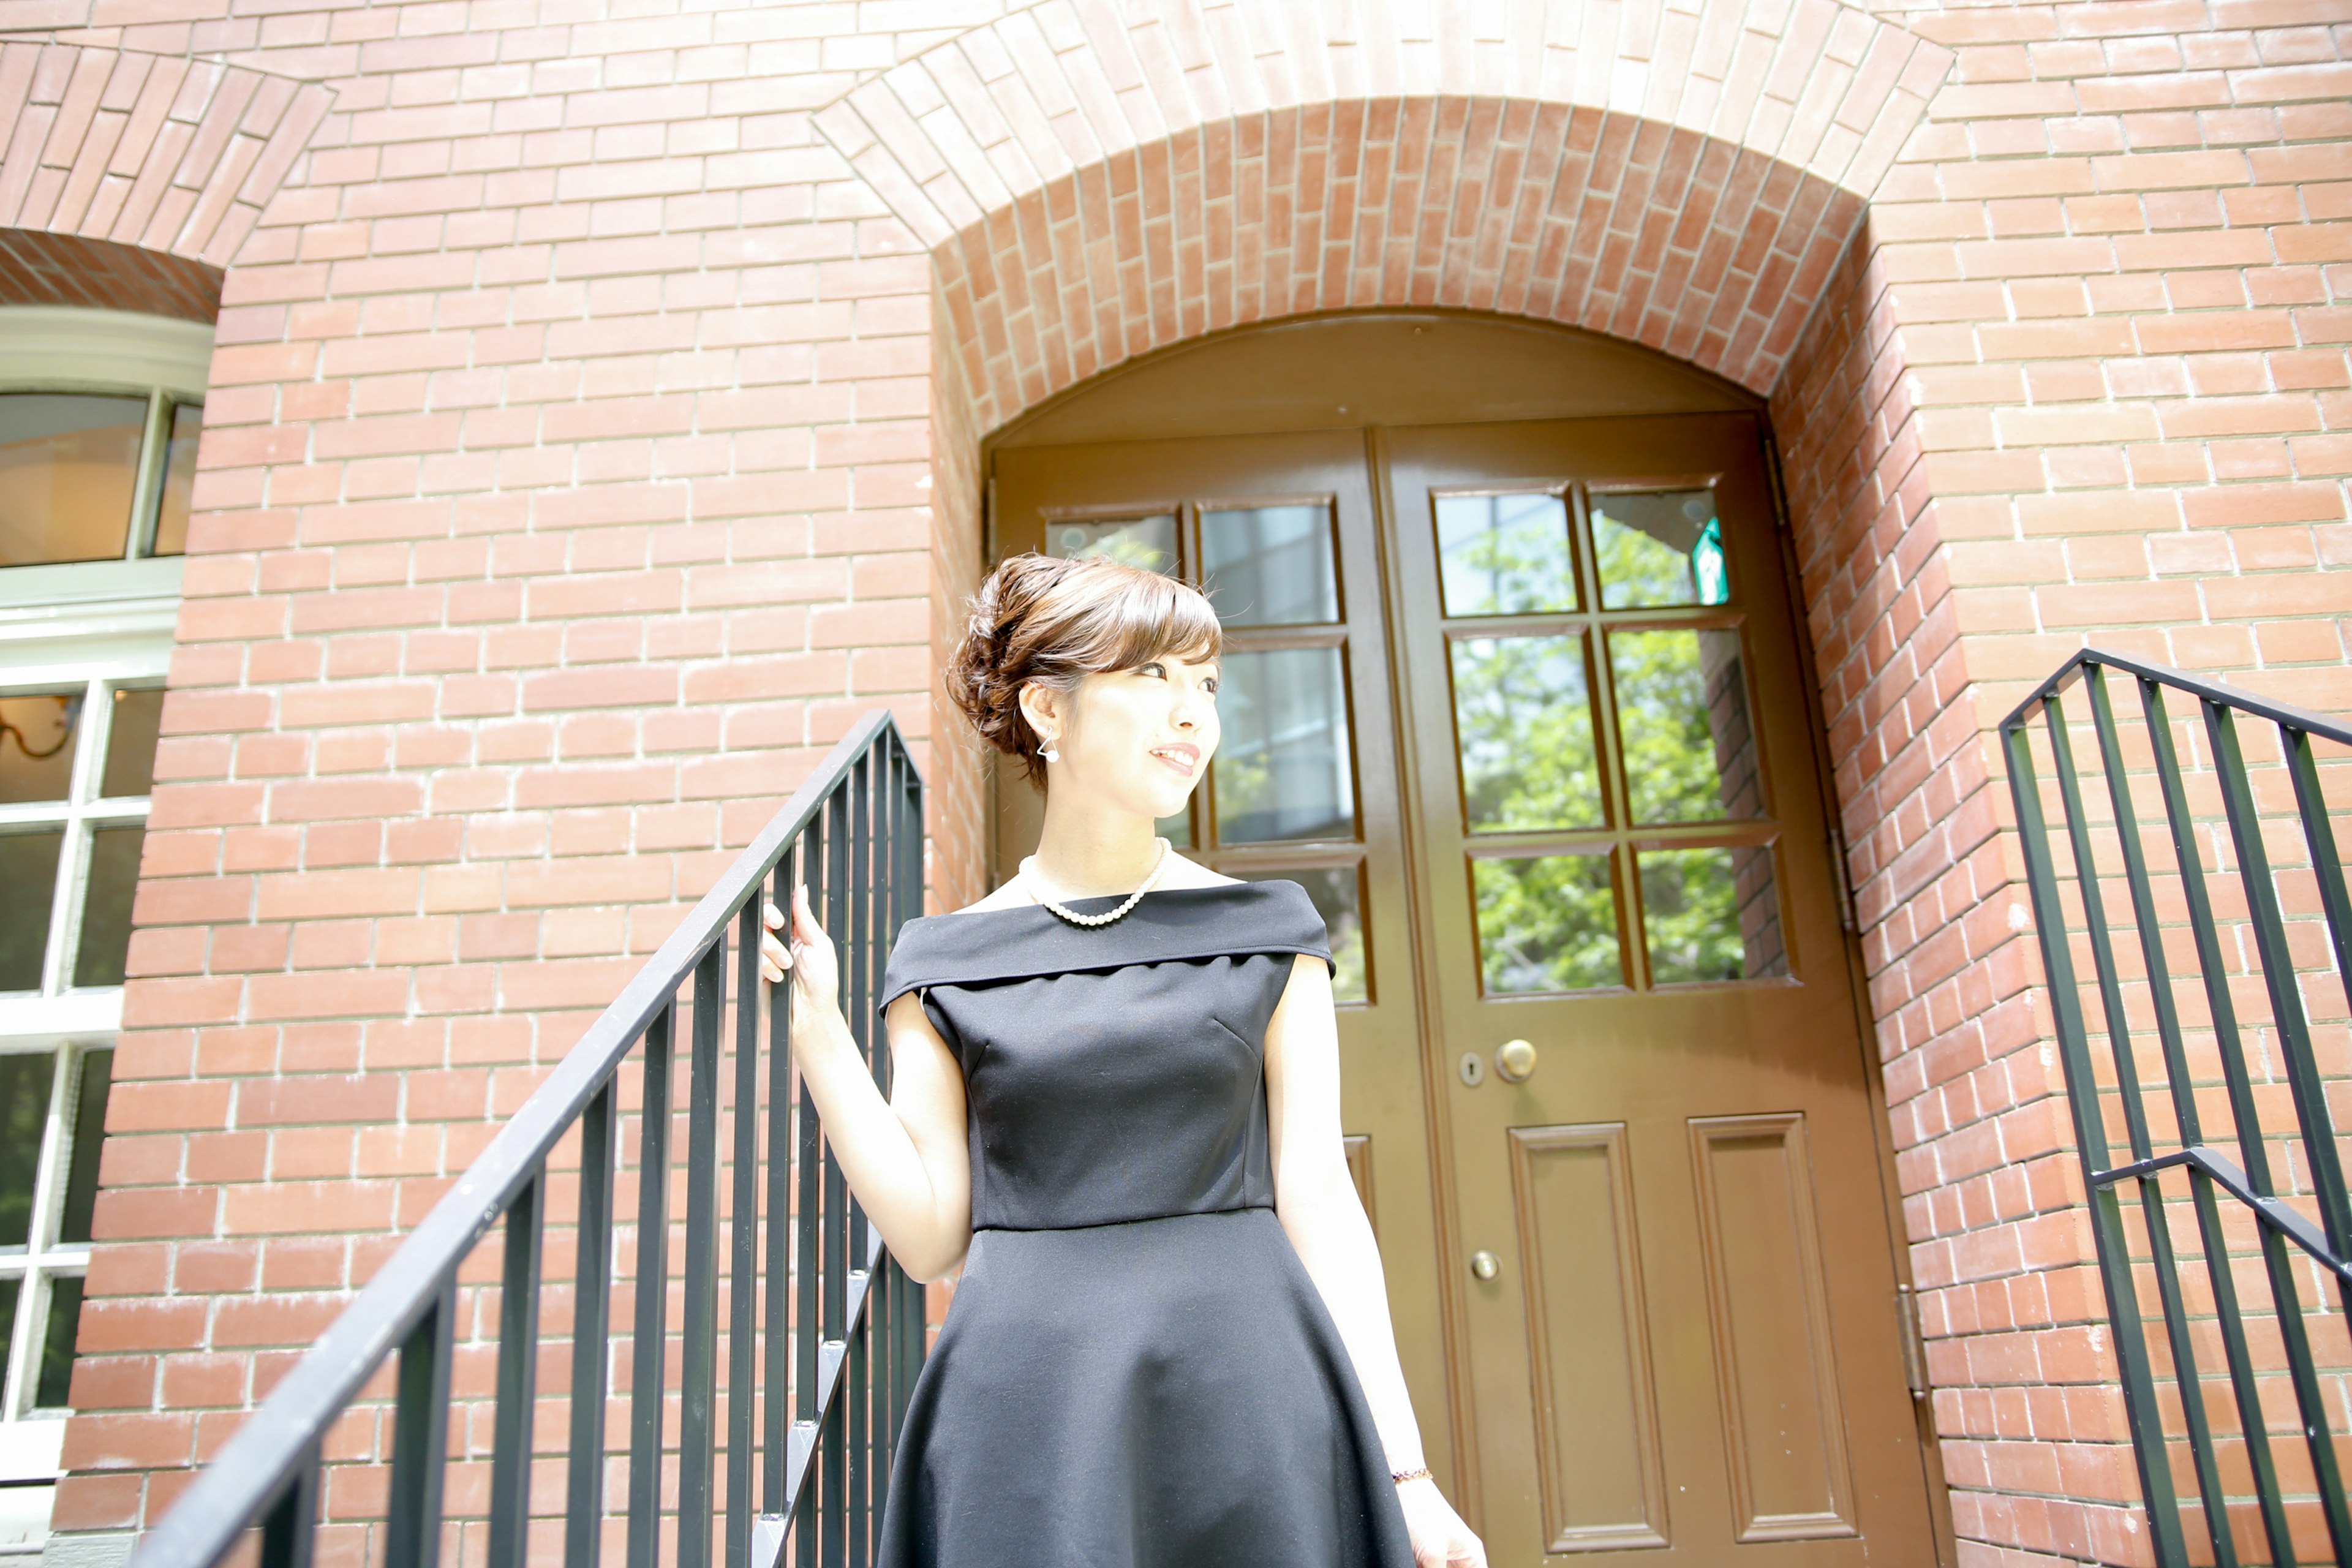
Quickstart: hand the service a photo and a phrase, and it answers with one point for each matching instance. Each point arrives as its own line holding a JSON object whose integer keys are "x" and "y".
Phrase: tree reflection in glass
{"x": 1547, "y": 923}
{"x": 1283, "y": 771}
{"x": 1505, "y": 556}
{"x": 1523, "y": 718}
{"x": 1682, "y": 719}
{"x": 1146, "y": 542}
{"x": 1711, "y": 914}
{"x": 1270, "y": 565}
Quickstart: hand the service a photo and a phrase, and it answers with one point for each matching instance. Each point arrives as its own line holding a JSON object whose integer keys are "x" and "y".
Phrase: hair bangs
{"x": 1147, "y": 617}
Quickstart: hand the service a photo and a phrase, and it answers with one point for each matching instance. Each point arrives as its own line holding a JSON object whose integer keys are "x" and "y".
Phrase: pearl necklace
{"x": 1029, "y": 871}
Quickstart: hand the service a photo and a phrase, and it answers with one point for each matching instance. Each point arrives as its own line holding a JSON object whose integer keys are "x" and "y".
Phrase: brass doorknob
{"x": 1485, "y": 1264}
{"x": 1515, "y": 1061}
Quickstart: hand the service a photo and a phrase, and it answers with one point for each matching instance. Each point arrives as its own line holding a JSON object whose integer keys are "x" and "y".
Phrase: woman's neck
{"x": 1086, "y": 853}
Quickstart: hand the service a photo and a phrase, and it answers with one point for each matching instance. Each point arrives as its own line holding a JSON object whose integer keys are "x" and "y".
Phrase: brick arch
{"x": 1095, "y": 180}
{"x": 169, "y": 155}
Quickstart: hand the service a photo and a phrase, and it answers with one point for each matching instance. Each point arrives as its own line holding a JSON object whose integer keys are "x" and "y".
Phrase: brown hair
{"x": 1053, "y": 622}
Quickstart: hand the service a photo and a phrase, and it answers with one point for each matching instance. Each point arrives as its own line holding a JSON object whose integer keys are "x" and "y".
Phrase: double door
{"x": 1520, "y": 706}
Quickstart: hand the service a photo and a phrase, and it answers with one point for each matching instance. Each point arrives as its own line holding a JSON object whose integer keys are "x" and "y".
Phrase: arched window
{"x": 100, "y": 412}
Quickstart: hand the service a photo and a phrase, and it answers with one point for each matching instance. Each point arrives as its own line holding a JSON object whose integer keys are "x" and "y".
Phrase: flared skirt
{"x": 1166, "y": 1393}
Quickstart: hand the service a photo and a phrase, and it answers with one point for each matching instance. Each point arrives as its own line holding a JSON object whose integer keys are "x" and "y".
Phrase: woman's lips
{"x": 1185, "y": 760}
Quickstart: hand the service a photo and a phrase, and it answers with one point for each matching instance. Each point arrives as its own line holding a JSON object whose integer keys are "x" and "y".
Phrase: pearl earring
{"x": 1049, "y": 753}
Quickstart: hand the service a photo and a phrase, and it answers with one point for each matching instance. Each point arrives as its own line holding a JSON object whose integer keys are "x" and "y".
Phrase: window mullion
{"x": 32, "y": 1297}
{"x": 88, "y": 774}
{"x": 14, "y": 1391}
{"x": 147, "y": 486}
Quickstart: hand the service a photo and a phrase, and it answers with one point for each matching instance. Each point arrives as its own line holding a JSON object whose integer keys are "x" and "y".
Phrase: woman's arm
{"x": 907, "y": 1158}
{"x": 1325, "y": 1219}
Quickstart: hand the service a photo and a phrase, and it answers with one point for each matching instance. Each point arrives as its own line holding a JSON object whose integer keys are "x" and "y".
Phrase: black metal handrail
{"x": 824, "y": 1331}
{"x": 2299, "y": 1205}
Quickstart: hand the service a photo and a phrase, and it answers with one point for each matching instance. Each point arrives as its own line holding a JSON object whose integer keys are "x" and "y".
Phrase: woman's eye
{"x": 1158, "y": 669}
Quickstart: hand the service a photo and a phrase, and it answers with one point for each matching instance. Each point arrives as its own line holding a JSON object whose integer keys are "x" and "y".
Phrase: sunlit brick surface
{"x": 593, "y": 435}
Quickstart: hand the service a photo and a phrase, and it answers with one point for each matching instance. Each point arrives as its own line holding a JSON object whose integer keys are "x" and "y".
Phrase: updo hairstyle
{"x": 1054, "y": 622}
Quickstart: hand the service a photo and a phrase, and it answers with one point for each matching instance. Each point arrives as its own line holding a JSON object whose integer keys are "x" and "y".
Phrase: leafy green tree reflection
{"x": 1524, "y": 713}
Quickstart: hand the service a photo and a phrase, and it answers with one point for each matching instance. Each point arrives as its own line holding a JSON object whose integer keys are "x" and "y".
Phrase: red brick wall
{"x": 563, "y": 489}
{"x": 2083, "y": 378}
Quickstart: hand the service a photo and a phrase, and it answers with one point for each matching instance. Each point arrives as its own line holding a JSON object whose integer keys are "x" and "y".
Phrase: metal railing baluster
{"x": 807, "y": 1262}
{"x": 834, "y": 1506}
{"x": 290, "y": 1531}
{"x": 743, "y": 1231}
{"x": 811, "y": 1410}
{"x": 592, "y": 1308}
{"x": 699, "y": 1349}
{"x": 420, "y": 1436}
{"x": 517, "y": 1388}
{"x": 649, "y": 1358}
{"x": 2177, "y": 1329}
{"x": 2252, "y": 1423}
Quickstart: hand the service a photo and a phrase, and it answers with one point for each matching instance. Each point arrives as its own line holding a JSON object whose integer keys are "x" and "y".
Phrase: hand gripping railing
{"x": 2272, "y": 915}
{"x": 823, "y": 1331}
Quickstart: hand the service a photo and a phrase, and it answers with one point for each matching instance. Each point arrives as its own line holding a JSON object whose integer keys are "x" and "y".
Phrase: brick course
{"x": 593, "y": 435}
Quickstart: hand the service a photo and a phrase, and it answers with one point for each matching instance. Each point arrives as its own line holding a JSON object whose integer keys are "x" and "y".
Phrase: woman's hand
{"x": 809, "y": 958}
{"x": 1440, "y": 1538}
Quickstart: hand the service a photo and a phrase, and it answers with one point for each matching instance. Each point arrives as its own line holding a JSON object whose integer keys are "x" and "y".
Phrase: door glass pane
{"x": 1548, "y": 922}
{"x": 40, "y": 731}
{"x": 68, "y": 464}
{"x": 1523, "y": 719}
{"x": 24, "y": 1117}
{"x": 1682, "y": 719}
{"x": 1659, "y": 547}
{"x": 29, "y": 869}
{"x": 106, "y": 904}
{"x": 1711, "y": 914}
{"x": 1504, "y": 556}
{"x": 1283, "y": 770}
{"x": 1270, "y": 565}
{"x": 97, "y": 1071}
{"x": 131, "y": 741}
{"x": 56, "y": 1385}
{"x": 1146, "y": 542}
{"x": 1338, "y": 892}
{"x": 179, "y": 476}
{"x": 11, "y": 1290}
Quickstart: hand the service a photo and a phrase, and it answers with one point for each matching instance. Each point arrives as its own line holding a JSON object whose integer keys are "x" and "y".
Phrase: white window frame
{"x": 98, "y": 626}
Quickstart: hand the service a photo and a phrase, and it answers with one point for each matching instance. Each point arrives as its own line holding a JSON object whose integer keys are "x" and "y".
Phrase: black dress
{"x": 1137, "y": 1369}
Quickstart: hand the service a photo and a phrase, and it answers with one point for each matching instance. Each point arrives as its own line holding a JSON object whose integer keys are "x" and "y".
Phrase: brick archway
{"x": 1096, "y": 181}
{"x": 170, "y": 155}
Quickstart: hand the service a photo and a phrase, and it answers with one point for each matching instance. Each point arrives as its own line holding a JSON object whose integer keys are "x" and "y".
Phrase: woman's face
{"x": 1139, "y": 739}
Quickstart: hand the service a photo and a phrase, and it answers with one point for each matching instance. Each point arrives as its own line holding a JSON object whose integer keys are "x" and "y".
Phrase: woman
{"x": 1115, "y": 1100}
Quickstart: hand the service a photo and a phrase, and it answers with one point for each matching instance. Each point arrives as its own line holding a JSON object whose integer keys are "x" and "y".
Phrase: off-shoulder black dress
{"x": 1137, "y": 1369}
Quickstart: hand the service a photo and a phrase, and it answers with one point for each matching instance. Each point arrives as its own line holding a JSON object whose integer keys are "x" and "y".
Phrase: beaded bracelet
{"x": 1401, "y": 1476}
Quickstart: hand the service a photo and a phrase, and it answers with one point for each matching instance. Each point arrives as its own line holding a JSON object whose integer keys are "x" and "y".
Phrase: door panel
{"x": 1596, "y": 1402}
{"x": 1774, "y": 1359}
{"x": 1689, "y": 1349}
